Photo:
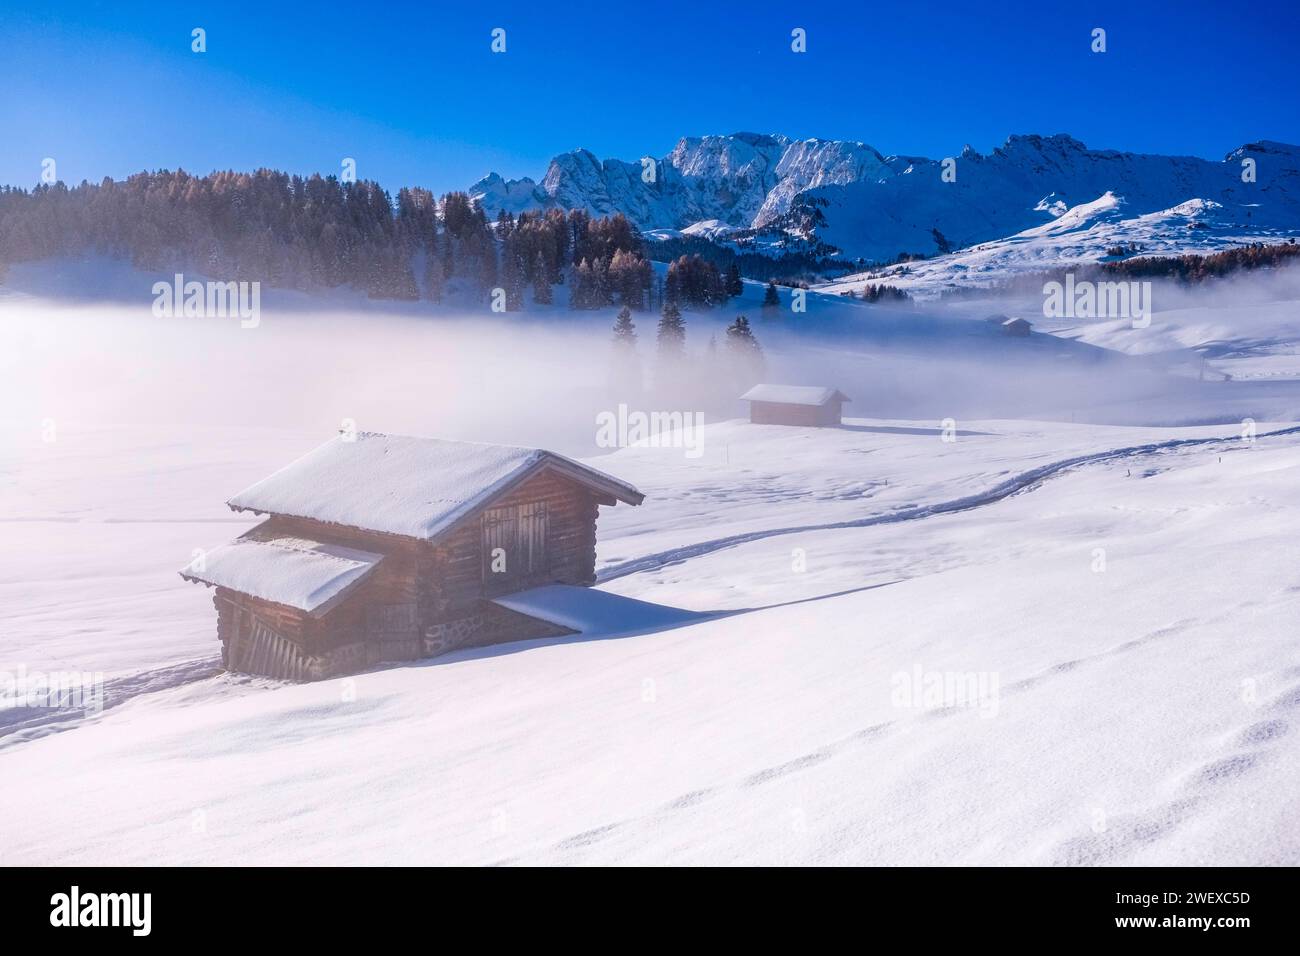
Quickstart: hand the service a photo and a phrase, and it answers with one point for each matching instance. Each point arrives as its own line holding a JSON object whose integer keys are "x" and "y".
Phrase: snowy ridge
{"x": 740, "y": 181}
{"x": 868, "y": 206}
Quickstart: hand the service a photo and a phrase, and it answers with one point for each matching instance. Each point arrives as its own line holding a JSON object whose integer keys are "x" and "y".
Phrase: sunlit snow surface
{"x": 1126, "y": 593}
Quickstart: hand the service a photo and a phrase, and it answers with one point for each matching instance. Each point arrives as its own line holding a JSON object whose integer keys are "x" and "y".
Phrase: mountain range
{"x": 772, "y": 192}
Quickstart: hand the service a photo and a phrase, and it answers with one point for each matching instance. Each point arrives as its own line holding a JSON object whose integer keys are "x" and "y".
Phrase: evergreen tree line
{"x": 880, "y": 293}
{"x": 694, "y": 281}
{"x": 283, "y": 230}
{"x": 1198, "y": 268}
{"x": 317, "y": 232}
{"x": 739, "y": 366}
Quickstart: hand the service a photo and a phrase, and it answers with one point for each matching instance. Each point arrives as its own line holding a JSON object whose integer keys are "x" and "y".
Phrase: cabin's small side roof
{"x": 298, "y": 572}
{"x": 415, "y": 487}
{"x": 794, "y": 394}
{"x": 593, "y": 611}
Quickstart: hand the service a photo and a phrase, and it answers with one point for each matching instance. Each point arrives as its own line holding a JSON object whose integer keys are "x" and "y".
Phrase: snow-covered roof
{"x": 592, "y": 611}
{"x": 794, "y": 394}
{"x": 1016, "y": 321}
{"x": 285, "y": 569}
{"x": 415, "y": 487}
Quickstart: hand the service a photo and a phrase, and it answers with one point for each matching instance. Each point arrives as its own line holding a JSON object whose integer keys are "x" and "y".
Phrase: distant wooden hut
{"x": 795, "y": 405}
{"x": 387, "y": 548}
{"x": 1017, "y": 327}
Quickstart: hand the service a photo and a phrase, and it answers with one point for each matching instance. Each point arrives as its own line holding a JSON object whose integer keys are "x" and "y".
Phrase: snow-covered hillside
{"x": 1082, "y": 234}
{"x": 1128, "y": 704}
{"x": 874, "y": 207}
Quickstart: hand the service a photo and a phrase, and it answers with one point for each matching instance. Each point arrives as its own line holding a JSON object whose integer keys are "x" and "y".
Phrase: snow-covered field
{"x": 1040, "y": 642}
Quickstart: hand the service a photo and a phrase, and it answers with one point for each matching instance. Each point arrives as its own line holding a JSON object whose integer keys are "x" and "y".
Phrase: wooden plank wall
{"x": 775, "y": 413}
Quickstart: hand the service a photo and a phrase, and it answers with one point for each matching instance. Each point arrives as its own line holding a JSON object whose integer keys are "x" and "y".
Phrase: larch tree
{"x": 541, "y": 281}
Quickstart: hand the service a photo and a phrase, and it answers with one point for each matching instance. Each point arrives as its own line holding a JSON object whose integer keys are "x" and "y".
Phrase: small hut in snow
{"x": 388, "y": 548}
{"x": 795, "y": 405}
{"x": 1017, "y": 327}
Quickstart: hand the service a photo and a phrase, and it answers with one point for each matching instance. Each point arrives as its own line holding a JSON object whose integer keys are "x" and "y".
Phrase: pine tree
{"x": 457, "y": 213}
{"x": 671, "y": 333}
{"x": 625, "y": 377}
{"x": 740, "y": 338}
{"x": 505, "y": 226}
{"x": 745, "y": 356}
{"x": 735, "y": 285}
{"x": 625, "y": 329}
{"x": 771, "y": 298}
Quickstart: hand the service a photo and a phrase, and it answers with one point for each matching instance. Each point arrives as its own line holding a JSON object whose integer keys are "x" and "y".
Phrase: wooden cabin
{"x": 1017, "y": 327}
{"x": 795, "y": 405}
{"x": 388, "y": 548}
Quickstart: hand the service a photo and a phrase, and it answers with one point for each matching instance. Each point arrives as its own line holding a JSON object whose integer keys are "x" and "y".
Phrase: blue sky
{"x": 414, "y": 94}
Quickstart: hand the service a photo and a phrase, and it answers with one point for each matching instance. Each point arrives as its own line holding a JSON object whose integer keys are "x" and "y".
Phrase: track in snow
{"x": 1022, "y": 482}
{"x": 20, "y": 724}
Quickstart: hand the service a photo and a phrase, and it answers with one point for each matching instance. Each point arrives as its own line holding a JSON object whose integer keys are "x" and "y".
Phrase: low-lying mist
{"x": 542, "y": 378}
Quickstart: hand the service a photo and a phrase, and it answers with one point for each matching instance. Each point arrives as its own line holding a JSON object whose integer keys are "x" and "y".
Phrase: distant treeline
{"x": 879, "y": 293}
{"x": 319, "y": 233}
{"x": 268, "y": 226}
{"x": 791, "y": 268}
{"x": 1197, "y": 268}
{"x": 1187, "y": 268}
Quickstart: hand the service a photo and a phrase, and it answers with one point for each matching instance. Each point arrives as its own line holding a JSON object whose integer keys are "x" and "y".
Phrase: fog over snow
{"x": 1099, "y": 563}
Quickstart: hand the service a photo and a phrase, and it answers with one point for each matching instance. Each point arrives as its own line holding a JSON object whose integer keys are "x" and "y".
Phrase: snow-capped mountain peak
{"x": 848, "y": 196}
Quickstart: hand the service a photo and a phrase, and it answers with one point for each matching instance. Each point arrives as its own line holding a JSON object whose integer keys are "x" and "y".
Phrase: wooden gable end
{"x": 566, "y": 508}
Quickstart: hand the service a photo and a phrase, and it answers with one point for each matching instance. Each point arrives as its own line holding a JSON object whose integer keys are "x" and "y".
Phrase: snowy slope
{"x": 1126, "y": 715}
